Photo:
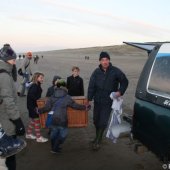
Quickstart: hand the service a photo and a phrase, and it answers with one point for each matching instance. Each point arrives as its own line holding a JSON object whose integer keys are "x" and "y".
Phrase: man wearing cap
{"x": 9, "y": 112}
{"x": 104, "y": 80}
{"x": 26, "y": 70}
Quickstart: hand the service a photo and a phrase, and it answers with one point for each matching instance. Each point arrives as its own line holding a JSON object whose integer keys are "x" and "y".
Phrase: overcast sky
{"x": 36, "y": 25}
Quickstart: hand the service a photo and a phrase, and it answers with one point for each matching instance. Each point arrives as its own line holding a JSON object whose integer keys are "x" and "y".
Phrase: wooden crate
{"x": 76, "y": 118}
{"x": 41, "y": 103}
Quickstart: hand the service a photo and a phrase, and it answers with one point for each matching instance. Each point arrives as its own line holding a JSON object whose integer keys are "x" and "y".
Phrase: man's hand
{"x": 117, "y": 94}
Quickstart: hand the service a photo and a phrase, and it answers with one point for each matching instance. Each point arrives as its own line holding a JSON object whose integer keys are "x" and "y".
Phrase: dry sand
{"x": 76, "y": 154}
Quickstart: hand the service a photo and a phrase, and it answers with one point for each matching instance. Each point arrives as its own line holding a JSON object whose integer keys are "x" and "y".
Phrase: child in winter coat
{"x": 75, "y": 83}
{"x": 58, "y": 104}
{"x": 50, "y": 90}
{"x": 34, "y": 93}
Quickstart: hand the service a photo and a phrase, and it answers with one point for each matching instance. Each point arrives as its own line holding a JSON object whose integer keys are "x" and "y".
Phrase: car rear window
{"x": 159, "y": 79}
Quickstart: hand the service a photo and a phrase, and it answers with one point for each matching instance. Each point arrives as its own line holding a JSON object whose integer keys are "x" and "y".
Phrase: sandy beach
{"x": 76, "y": 153}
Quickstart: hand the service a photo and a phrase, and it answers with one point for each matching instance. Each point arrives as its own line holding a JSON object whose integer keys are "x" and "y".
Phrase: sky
{"x": 41, "y": 25}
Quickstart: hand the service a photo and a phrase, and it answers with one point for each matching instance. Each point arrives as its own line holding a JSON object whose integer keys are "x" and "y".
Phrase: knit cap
{"x": 7, "y": 53}
{"x": 104, "y": 55}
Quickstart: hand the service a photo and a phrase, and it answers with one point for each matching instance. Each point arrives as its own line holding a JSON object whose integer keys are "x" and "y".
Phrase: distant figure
{"x": 50, "y": 90}
{"x": 26, "y": 70}
{"x": 42, "y": 56}
{"x": 34, "y": 93}
{"x": 86, "y": 57}
{"x": 75, "y": 83}
{"x": 57, "y": 105}
{"x": 23, "y": 56}
{"x": 36, "y": 58}
{"x": 19, "y": 57}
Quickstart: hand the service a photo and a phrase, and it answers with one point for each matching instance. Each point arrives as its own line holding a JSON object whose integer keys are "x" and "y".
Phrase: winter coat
{"x": 100, "y": 86}
{"x": 50, "y": 91}
{"x": 34, "y": 93}
{"x": 26, "y": 66}
{"x": 8, "y": 108}
{"x": 103, "y": 83}
{"x": 75, "y": 86}
{"x": 60, "y": 113}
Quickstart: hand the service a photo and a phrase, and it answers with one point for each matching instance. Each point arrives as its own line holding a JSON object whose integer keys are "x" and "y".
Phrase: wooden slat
{"x": 76, "y": 118}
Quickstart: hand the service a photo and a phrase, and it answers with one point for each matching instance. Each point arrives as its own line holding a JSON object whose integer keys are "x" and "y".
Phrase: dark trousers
{"x": 101, "y": 114}
{"x": 11, "y": 162}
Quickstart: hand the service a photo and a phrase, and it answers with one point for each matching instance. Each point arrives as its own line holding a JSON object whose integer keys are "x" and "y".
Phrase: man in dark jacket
{"x": 104, "y": 80}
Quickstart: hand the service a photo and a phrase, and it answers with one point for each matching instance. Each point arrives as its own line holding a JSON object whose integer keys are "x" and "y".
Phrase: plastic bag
{"x": 116, "y": 127}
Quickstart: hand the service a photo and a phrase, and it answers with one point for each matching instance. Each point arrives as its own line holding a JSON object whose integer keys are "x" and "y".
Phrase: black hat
{"x": 104, "y": 55}
{"x": 55, "y": 78}
{"x": 7, "y": 53}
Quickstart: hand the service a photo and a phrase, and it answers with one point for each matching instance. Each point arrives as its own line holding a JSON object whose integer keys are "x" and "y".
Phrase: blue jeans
{"x": 58, "y": 136}
{"x": 26, "y": 79}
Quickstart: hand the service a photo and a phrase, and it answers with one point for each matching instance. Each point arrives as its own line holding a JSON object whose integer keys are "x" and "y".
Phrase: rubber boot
{"x": 96, "y": 144}
{"x": 94, "y": 140}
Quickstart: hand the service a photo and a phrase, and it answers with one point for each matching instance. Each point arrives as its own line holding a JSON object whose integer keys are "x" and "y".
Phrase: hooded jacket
{"x": 8, "y": 108}
{"x": 62, "y": 100}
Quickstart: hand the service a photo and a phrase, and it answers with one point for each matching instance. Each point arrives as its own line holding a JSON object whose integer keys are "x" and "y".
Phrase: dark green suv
{"x": 151, "y": 118}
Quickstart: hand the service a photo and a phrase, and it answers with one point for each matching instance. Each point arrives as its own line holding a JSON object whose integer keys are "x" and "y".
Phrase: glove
{"x": 19, "y": 127}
